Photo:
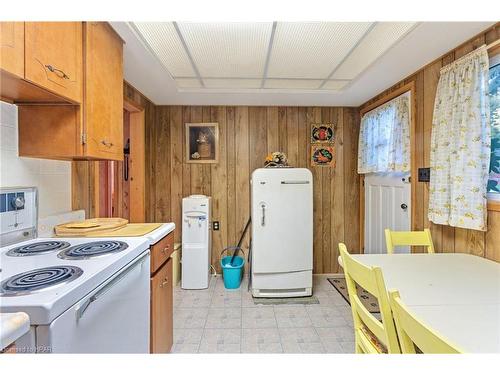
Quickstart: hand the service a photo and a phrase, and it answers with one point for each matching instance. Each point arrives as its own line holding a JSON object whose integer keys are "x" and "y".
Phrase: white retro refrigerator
{"x": 282, "y": 232}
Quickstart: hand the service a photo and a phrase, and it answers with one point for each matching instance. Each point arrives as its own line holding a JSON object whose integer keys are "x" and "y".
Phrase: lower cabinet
{"x": 162, "y": 325}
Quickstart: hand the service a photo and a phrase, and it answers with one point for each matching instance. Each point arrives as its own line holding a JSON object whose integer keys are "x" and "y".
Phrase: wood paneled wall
{"x": 446, "y": 238}
{"x": 247, "y": 135}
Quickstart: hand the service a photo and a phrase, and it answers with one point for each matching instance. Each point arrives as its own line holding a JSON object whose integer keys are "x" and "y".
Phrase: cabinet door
{"x": 161, "y": 251}
{"x": 12, "y": 47}
{"x": 162, "y": 310}
{"x": 103, "y": 92}
{"x": 53, "y": 57}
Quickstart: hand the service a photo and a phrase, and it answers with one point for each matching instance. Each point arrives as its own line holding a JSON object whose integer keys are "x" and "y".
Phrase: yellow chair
{"x": 413, "y": 333}
{"x": 415, "y": 238}
{"x": 371, "y": 335}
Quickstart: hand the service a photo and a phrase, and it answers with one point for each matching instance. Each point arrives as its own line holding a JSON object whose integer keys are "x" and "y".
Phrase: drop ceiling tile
{"x": 312, "y": 49}
{"x": 228, "y": 83}
{"x": 228, "y": 49}
{"x": 188, "y": 83}
{"x": 297, "y": 84}
{"x": 382, "y": 37}
{"x": 334, "y": 85}
{"x": 163, "y": 40}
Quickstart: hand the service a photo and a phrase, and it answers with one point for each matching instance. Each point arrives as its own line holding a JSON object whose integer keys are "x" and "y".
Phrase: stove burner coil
{"x": 92, "y": 250}
{"x": 37, "y": 248}
{"x": 38, "y": 280}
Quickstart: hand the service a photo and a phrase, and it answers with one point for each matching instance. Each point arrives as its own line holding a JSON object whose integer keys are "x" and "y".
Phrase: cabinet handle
{"x": 165, "y": 282}
{"x": 165, "y": 249}
{"x": 106, "y": 143}
{"x": 57, "y": 72}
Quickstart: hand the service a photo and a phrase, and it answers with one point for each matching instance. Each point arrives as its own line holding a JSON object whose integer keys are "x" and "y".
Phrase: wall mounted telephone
{"x": 126, "y": 153}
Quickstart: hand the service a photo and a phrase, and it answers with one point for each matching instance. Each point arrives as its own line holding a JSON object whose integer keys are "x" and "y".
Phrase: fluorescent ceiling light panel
{"x": 291, "y": 84}
{"x": 334, "y": 85}
{"x": 229, "y": 49}
{"x": 163, "y": 40}
{"x": 218, "y": 83}
{"x": 382, "y": 37}
{"x": 188, "y": 83}
{"x": 312, "y": 49}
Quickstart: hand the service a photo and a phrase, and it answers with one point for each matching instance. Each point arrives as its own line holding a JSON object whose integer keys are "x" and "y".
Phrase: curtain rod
{"x": 486, "y": 47}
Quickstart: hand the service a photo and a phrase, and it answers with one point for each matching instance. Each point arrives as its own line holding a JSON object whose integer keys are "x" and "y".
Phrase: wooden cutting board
{"x": 129, "y": 230}
{"x": 89, "y": 227}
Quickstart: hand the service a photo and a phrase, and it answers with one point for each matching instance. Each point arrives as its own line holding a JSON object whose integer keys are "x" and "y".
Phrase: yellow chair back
{"x": 371, "y": 335}
{"x": 413, "y": 333}
{"x": 414, "y": 238}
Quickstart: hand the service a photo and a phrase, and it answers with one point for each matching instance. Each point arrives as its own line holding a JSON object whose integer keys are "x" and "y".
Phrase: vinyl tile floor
{"x": 218, "y": 320}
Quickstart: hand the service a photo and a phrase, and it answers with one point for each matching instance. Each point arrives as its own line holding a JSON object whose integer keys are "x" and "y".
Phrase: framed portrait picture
{"x": 322, "y": 156}
{"x": 322, "y": 133}
{"x": 202, "y": 142}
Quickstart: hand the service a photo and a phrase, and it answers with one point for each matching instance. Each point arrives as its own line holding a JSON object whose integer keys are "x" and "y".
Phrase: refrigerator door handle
{"x": 294, "y": 182}
{"x": 263, "y": 219}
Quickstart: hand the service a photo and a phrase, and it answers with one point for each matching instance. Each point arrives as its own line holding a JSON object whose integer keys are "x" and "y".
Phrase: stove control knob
{"x": 17, "y": 203}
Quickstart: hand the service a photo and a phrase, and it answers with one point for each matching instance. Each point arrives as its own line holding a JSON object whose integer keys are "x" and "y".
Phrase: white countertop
{"x": 12, "y": 327}
{"x": 157, "y": 234}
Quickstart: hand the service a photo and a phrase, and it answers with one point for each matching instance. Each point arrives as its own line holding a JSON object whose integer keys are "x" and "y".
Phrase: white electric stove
{"x": 83, "y": 295}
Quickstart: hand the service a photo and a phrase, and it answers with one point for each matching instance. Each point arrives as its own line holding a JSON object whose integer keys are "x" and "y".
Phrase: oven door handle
{"x": 108, "y": 285}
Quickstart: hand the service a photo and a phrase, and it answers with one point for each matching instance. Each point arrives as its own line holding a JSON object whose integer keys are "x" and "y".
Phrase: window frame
{"x": 494, "y": 198}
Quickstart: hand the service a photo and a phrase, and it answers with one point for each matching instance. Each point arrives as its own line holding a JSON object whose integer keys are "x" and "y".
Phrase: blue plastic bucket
{"x": 232, "y": 274}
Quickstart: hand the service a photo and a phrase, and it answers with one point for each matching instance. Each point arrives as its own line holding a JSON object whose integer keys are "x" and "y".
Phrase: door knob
{"x": 404, "y": 206}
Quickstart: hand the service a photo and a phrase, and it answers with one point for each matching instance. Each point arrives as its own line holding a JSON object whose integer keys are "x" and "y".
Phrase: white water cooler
{"x": 196, "y": 242}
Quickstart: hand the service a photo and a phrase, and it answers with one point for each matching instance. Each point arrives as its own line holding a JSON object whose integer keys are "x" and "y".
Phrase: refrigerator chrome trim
{"x": 292, "y": 182}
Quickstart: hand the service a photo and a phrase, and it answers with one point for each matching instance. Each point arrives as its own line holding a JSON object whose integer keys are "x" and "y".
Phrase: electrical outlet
{"x": 215, "y": 225}
{"x": 424, "y": 174}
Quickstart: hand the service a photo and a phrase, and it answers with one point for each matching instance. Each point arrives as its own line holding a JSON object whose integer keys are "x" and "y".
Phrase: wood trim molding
{"x": 131, "y": 105}
{"x": 493, "y": 205}
{"x": 137, "y": 161}
{"x": 408, "y": 87}
{"x": 362, "y": 213}
{"x": 413, "y": 169}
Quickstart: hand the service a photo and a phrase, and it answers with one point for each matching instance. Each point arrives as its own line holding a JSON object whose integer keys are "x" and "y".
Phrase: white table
{"x": 456, "y": 294}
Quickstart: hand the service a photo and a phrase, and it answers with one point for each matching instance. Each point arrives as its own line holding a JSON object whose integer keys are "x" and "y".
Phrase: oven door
{"x": 114, "y": 318}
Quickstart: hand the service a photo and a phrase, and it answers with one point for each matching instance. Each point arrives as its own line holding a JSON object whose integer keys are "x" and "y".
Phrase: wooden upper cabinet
{"x": 103, "y": 101}
{"x": 84, "y": 61}
{"x": 12, "y": 48}
{"x": 54, "y": 58}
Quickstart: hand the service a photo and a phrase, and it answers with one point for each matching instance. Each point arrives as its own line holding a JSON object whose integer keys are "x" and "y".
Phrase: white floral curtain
{"x": 384, "y": 137}
{"x": 460, "y": 144}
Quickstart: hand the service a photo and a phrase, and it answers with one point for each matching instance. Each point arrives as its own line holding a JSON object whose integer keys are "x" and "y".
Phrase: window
{"x": 494, "y": 87}
{"x": 384, "y": 137}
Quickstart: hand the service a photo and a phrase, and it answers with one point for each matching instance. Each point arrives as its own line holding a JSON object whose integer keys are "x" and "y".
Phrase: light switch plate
{"x": 424, "y": 174}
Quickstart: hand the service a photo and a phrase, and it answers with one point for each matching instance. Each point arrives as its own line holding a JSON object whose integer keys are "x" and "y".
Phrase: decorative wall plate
{"x": 322, "y": 133}
{"x": 322, "y": 156}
